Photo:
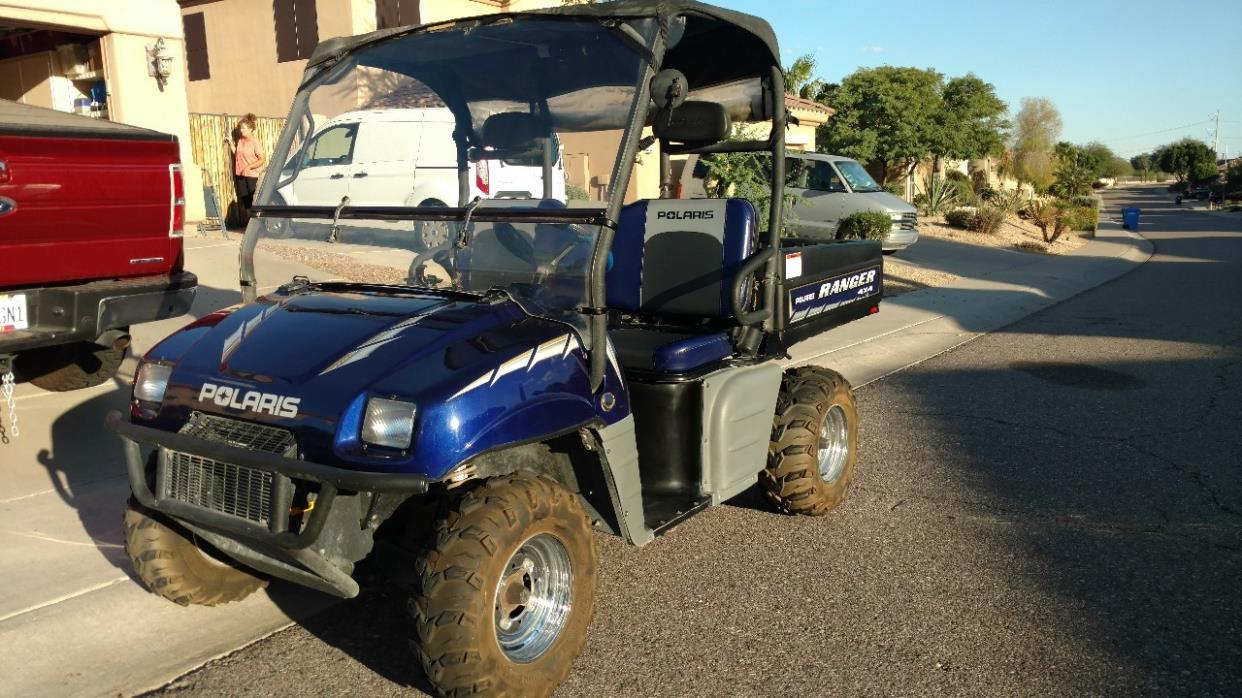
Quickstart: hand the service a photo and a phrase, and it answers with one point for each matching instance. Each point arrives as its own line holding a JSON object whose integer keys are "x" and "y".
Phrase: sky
{"x": 1134, "y": 74}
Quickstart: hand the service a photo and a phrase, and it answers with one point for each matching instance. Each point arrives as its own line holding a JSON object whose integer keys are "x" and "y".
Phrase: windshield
{"x": 857, "y": 177}
{"x": 370, "y": 185}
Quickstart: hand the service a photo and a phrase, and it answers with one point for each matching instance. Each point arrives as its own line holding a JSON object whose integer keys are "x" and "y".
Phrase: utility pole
{"x": 1216, "y": 145}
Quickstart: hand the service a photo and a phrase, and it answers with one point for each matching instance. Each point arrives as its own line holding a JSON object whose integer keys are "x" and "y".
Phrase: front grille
{"x": 223, "y": 487}
{"x": 909, "y": 221}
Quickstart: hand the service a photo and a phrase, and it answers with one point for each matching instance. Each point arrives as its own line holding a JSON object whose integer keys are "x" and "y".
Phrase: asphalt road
{"x": 1053, "y": 509}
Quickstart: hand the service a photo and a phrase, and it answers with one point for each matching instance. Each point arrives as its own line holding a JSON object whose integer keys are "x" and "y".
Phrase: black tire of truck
{"x": 470, "y": 605}
{"x": 792, "y": 480}
{"x": 170, "y": 564}
{"x": 71, "y": 366}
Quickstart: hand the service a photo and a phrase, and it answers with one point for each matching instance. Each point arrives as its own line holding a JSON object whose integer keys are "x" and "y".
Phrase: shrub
{"x": 896, "y": 188}
{"x": 988, "y": 220}
{"x": 939, "y": 194}
{"x": 1087, "y": 201}
{"x": 965, "y": 192}
{"x": 987, "y": 194}
{"x": 1049, "y": 216}
{"x": 865, "y": 225}
{"x": 960, "y": 218}
{"x": 1081, "y": 218}
{"x": 1011, "y": 201}
{"x": 958, "y": 176}
{"x": 575, "y": 193}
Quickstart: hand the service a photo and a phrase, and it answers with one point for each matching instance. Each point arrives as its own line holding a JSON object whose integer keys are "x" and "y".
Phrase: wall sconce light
{"x": 159, "y": 63}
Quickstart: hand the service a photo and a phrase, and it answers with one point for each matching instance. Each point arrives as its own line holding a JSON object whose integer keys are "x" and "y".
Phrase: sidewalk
{"x": 914, "y": 327}
{"x": 73, "y": 622}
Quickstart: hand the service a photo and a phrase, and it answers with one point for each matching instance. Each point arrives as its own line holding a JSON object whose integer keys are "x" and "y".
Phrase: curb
{"x": 918, "y": 326}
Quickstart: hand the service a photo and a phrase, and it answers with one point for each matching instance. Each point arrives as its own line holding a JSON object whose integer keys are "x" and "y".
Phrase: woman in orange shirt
{"x": 248, "y": 162}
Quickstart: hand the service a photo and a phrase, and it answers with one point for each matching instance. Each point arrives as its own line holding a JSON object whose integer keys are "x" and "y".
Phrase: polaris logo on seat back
{"x": 686, "y": 215}
{"x": 252, "y": 400}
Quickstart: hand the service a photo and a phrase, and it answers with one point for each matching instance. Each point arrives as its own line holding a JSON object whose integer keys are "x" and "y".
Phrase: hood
{"x": 327, "y": 351}
{"x": 888, "y": 202}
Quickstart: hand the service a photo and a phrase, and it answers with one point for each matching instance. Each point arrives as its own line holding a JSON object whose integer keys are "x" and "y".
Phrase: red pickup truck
{"x": 91, "y": 220}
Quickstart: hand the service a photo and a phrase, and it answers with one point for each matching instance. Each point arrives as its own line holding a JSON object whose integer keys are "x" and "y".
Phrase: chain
{"x": 6, "y": 390}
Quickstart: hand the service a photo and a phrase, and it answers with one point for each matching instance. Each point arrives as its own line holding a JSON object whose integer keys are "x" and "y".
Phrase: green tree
{"x": 1076, "y": 168}
{"x": 800, "y": 78}
{"x": 1035, "y": 131}
{"x": 1234, "y": 177}
{"x": 1188, "y": 160}
{"x": 972, "y": 121}
{"x": 1108, "y": 163}
{"x": 1144, "y": 165}
{"x": 887, "y": 115}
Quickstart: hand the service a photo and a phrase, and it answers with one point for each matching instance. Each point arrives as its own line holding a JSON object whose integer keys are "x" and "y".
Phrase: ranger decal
{"x": 829, "y": 294}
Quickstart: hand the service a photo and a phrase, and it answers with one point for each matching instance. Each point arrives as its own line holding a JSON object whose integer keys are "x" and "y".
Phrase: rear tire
{"x": 171, "y": 565}
{"x": 504, "y": 553}
{"x": 71, "y": 366}
{"x": 814, "y": 443}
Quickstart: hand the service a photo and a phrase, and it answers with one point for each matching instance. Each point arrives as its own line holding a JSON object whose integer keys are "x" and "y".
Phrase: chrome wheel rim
{"x": 433, "y": 234}
{"x": 533, "y": 598}
{"x": 834, "y": 444}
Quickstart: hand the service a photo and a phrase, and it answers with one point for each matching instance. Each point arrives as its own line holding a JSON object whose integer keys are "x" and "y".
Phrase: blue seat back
{"x": 680, "y": 257}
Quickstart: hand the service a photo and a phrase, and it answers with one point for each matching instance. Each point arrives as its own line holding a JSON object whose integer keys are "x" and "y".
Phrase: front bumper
{"x": 64, "y": 314}
{"x": 899, "y": 238}
{"x": 336, "y": 533}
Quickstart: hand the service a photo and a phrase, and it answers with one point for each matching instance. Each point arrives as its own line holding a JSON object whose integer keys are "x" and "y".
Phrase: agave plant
{"x": 940, "y": 194}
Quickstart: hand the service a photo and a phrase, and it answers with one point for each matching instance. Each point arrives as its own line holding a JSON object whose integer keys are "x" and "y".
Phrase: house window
{"x": 196, "y": 46}
{"x": 297, "y": 29}
{"x": 396, "y": 13}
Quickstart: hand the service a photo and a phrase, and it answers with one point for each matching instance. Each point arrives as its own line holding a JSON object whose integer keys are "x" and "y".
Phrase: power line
{"x": 1164, "y": 131}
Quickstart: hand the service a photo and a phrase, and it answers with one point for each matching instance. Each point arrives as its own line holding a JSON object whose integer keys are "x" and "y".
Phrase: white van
{"x": 403, "y": 157}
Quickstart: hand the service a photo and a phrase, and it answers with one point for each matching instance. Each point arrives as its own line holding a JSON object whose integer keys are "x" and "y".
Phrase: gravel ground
{"x": 901, "y": 277}
{"x": 1014, "y": 233}
{"x": 335, "y": 264}
{"x": 1051, "y": 510}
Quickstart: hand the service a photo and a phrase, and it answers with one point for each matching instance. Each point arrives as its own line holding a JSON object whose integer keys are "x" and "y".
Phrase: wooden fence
{"x": 207, "y": 143}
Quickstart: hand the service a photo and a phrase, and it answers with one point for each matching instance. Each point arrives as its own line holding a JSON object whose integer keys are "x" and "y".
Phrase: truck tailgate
{"x": 85, "y": 208}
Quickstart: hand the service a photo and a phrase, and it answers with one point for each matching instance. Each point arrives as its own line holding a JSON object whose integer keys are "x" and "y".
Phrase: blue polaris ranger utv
{"x": 467, "y": 391}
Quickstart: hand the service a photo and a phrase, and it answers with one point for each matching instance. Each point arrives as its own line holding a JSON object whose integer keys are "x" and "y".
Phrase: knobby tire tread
{"x": 454, "y": 635}
{"x": 791, "y": 480}
{"x": 170, "y": 565}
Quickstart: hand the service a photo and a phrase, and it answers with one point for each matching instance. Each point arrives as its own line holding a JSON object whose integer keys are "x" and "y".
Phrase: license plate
{"x": 13, "y": 312}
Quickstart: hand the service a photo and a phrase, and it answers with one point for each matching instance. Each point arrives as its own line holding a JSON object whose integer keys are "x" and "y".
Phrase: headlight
{"x": 896, "y": 217}
{"x": 388, "y": 423}
{"x": 151, "y": 382}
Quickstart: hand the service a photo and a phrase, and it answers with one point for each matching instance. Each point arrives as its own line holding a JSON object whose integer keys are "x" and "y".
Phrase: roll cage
{"x": 679, "y": 38}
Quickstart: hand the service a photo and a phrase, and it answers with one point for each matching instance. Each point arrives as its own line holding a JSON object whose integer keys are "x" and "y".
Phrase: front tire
{"x": 814, "y": 443}
{"x": 171, "y": 565}
{"x": 506, "y": 593}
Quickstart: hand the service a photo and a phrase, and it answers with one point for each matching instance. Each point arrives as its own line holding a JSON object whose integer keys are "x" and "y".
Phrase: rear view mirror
{"x": 669, "y": 88}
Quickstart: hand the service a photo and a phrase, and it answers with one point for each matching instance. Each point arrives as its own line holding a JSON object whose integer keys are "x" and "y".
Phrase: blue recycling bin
{"x": 1130, "y": 217}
